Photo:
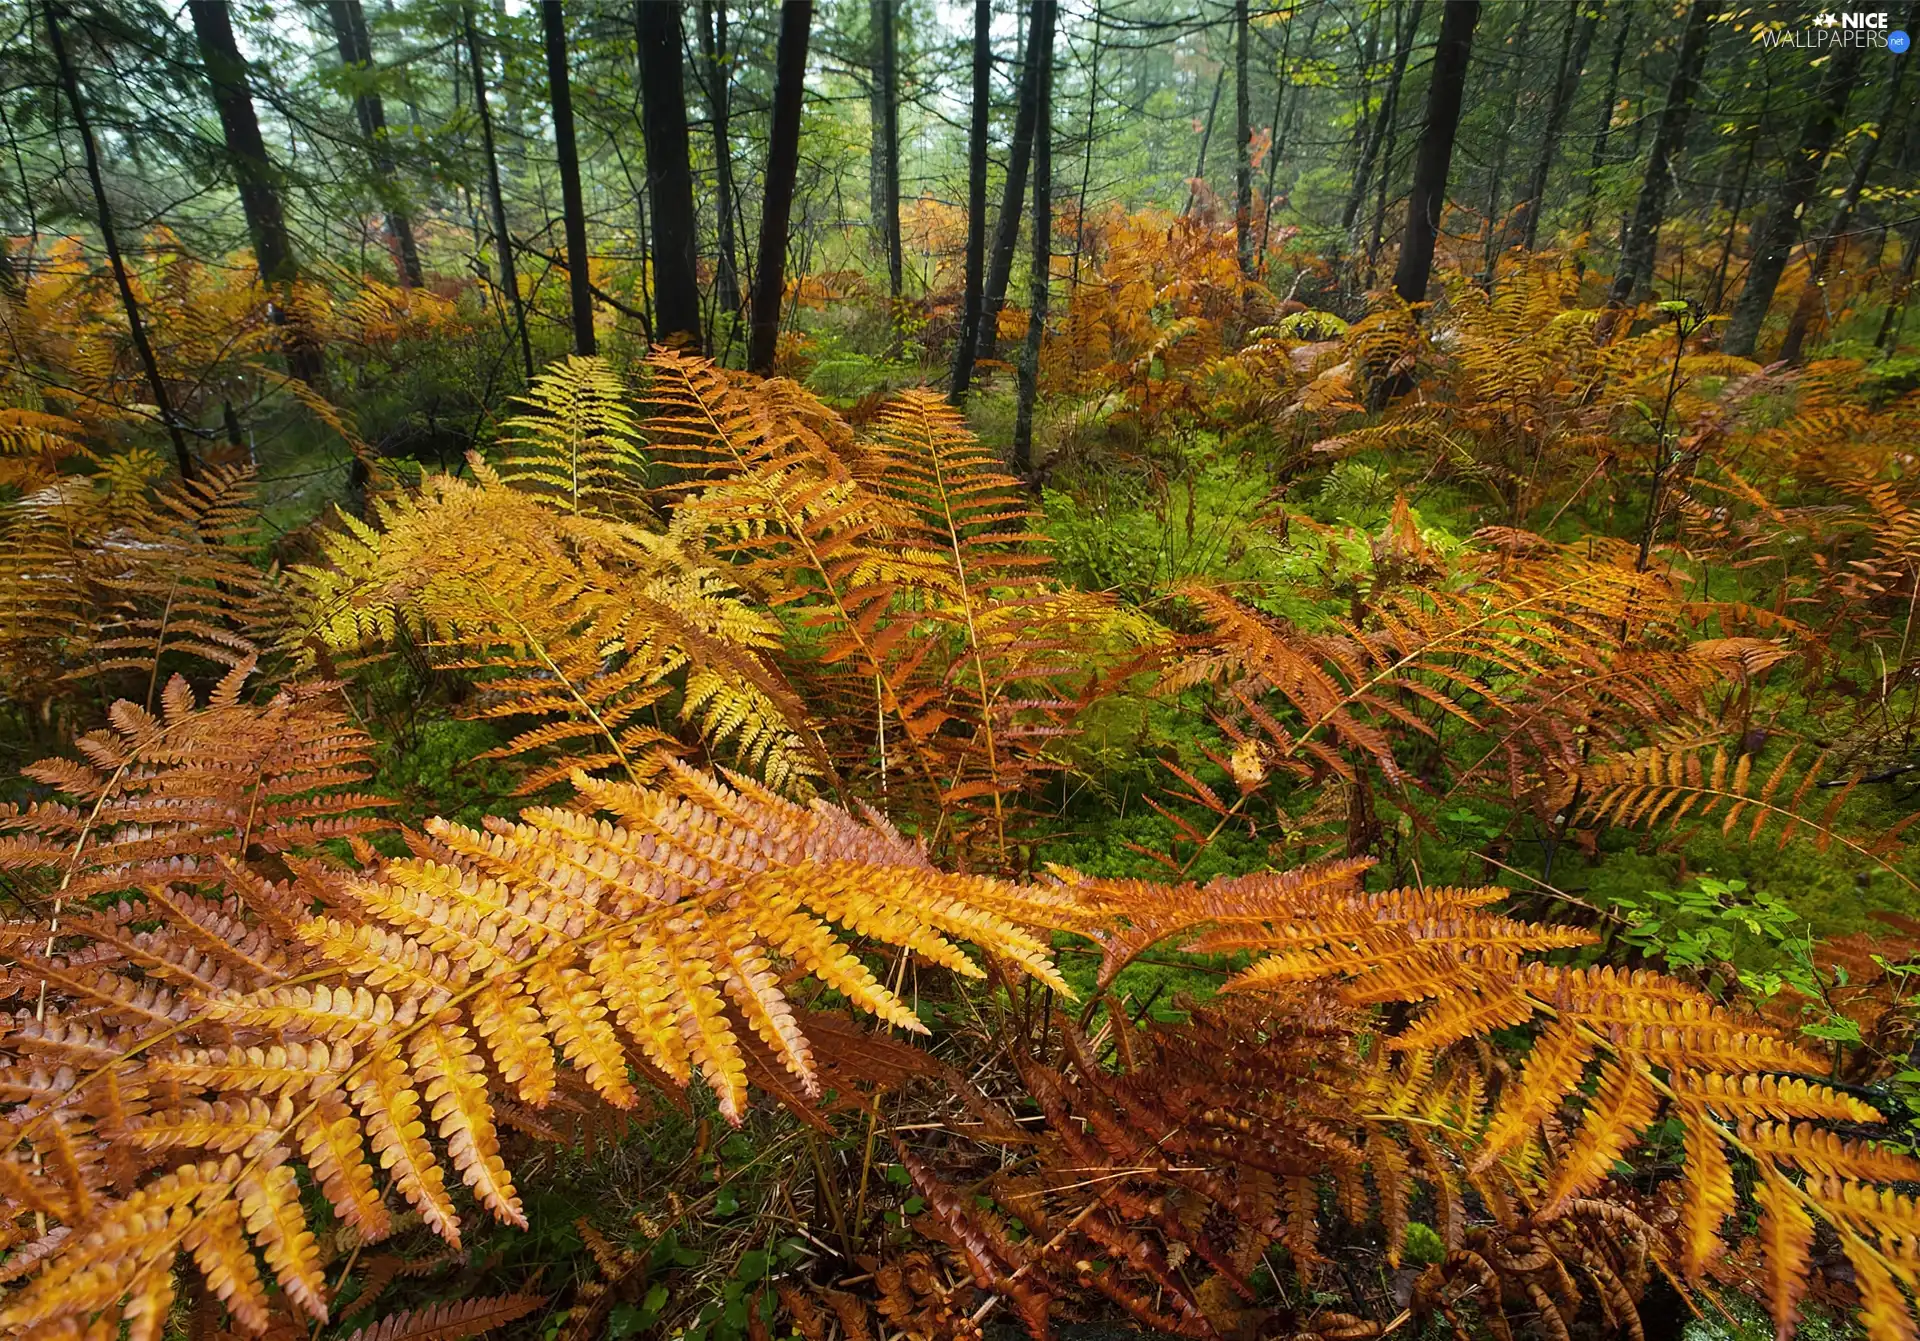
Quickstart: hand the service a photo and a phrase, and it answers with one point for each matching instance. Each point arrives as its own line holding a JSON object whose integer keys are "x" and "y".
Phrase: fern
{"x": 1670, "y": 784}
{"x": 1650, "y": 1045}
{"x": 942, "y": 637}
{"x": 148, "y": 1119}
{"x": 583, "y": 624}
{"x": 578, "y": 445}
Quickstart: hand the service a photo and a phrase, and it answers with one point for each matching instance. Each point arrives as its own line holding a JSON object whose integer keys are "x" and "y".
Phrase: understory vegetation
{"x": 1296, "y": 811}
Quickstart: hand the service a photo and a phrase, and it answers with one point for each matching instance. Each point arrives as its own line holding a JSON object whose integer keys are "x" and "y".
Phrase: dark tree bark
{"x": 1775, "y": 235}
{"x": 1040, "y": 51}
{"x": 713, "y": 46}
{"x": 553, "y": 30}
{"x": 1895, "y": 316}
{"x": 1389, "y": 103}
{"x": 1434, "y": 157}
{"x": 1718, "y": 292}
{"x": 253, "y": 173}
{"x": 1086, "y": 159}
{"x": 1508, "y": 95}
{"x": 502, "y": 237}
{"x": 963, "y": 350}
{"x": 1575, "y": 41}
{"x": 1598, "y": 159}
{"x": 887, "y": 143}
{"x": 1206, "y": 139}
{"x": 1243, "y": 142}
{"x": 1635, "y": 274}
{"x": 663, "y": 125}
{"x": 246, "y": 151}
{"x": 103, "y": 215}
{"x": 783, "y": 165}
{"x": 1810, "y": 293}
{"x": 1006, "y": 226}
{"x": 349, "y": 23}
{"x": 1285, "y": 104}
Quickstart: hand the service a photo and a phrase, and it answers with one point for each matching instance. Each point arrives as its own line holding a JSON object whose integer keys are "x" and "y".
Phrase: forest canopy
{"x": 877, "y": 669}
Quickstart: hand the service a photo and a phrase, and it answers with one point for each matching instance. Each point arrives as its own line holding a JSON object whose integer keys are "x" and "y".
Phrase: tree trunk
{"x": 1006, "y": 227}
{"x": 1434, "y": 157}
{"x": 253, "y": 173}
{"x": 1206, "y": 139}
{"x": 1601, "y": 132}
{"x": 1895, "y": 316}
{"x": 963, "y": 350}
{"x": 1283, "y": 119}
{"x": 1575, "y": 42}
{"x": 1810, "y": 293}
{"x": 349, "y": 23}
{"x": 1243, "y": 143}
{"x": 1509, "y": 95}
{"x": 103, "y": 215}
{"x": 1086, "y": 159}
{"x": 1635, "y": 274}
{"x": 887, "y": 143}
{"x": 783, "y": 165}
{"x": 553, "y": 29}
{"x": 713, "y": 46}
{"x": 1717, "y": 294}
{"x": 663, "y": 125}
{"x": 502, "y": 239}
{"x": 1040, "y": 51}
{"x": 1403, "y": 49}
{"x": 1774, "y": 238}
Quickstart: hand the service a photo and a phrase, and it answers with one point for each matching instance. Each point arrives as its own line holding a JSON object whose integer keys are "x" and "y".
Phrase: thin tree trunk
{"x": 1086, "y": 159}
{"x": 253, "y": 173}
{"x": 1497, "y": 180}
{"x": 553, "y": 28}
{"x": 713, "y": 44}
{"x": 1718, "y": 293}
{"x": 349, "y": 23}
{"x": 1283, "y": 123}
{"x": 1434, "y": 157}
{"x": 502, "y": 239}
{"x": 1041, "y": 53}
{"x": 1006, "y": 227}
{"x": 663, "y": 125}
{"x": 1376, "y": 134}
{"x": 783, "y": 164}
{"x": 1575, "y": 42}
{"x": 1598, "y": 159}
{"x": 968, "y": 343}
{"x": 1243, "y": 142}
{"x": 103, "y": 214}
{"x": 1895, "y": 316}
{"x": 1810, "y": 293}
{"x": 887, "y": 56}
{"x": 1775, "y": 236}
{"x": 1635, "y": 274}
{"x": 1206, "y": 138}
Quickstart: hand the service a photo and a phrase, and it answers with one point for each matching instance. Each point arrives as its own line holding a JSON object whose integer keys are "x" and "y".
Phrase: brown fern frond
{"x": 1667, "y": 785}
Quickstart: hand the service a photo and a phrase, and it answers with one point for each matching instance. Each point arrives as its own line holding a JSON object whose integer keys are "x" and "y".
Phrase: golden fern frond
{"x": 649, "y": 928}
{"x": 586, "y": 625}
{"x": 1665, "y": 785}
{"x": 578, "y": 442}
